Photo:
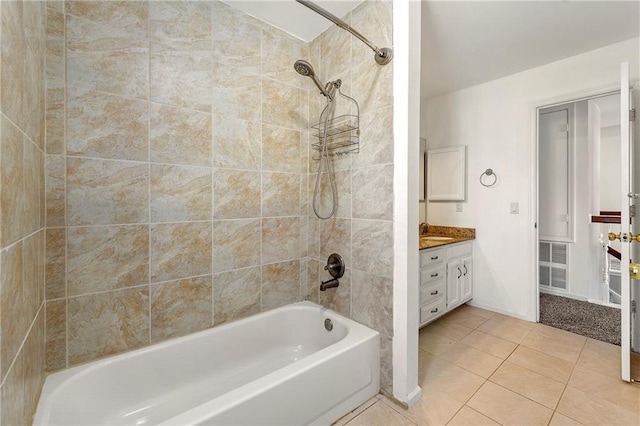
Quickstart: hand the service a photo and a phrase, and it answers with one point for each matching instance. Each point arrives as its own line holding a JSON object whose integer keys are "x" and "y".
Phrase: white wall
{"x": 494, "y": 120}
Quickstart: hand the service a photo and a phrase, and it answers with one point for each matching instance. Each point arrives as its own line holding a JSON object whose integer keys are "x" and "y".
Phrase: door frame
{"x": 534, "y": 107}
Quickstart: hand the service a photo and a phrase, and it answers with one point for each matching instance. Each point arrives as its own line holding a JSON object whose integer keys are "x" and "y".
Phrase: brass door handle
{"x": 634, "y": 271}
{"x": 624, "y": 237}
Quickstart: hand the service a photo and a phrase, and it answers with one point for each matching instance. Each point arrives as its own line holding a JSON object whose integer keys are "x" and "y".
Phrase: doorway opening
{"x": 578, "y": 205}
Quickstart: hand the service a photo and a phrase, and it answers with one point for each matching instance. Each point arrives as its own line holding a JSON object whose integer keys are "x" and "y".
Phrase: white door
{"x": 628, "y": 197}
{"x": 467, "y": 276}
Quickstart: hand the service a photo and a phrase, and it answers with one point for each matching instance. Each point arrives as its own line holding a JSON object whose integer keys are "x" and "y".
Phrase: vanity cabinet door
{"x": 454, "y": 275}
{"x": 467, "y": 278}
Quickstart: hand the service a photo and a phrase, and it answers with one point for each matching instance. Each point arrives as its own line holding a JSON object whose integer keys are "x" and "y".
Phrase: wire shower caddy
{"x": 343, "y": 132}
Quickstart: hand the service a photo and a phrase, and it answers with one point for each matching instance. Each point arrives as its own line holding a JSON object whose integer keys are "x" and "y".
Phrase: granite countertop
{"x": 455, "y": 234}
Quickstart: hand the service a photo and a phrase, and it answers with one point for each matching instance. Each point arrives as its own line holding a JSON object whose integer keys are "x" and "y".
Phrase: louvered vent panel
{"x": 559, "y": 254}
{"x": 545, "y": 252}
{"x": 545, "y": 271}
{"x": 559, "y": 278}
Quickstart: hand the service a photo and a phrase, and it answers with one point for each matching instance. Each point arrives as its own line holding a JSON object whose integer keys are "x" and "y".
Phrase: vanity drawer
{"x": 429, "y": 312}
{"x": 431, "y": 275}
{"x": 432, "y": 257}
{"x": 429, "y": 293}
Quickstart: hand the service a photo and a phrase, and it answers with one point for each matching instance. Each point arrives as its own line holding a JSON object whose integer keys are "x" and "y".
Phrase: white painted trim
{"x": 566, "y": 294}
{"x": 406, "y": 149}
{"x": 604, "y": 90}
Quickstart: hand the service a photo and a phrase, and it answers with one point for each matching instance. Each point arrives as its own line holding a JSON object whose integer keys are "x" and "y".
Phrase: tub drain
{"x": 328, "y": 324}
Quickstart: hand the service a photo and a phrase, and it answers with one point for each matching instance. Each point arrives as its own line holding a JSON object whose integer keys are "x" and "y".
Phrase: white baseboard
{"x": 497, "y": 309}
{"x": 564, "y": 294}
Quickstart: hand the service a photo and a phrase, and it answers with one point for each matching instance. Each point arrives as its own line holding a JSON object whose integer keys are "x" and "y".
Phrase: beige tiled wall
{"x": 362, "y": 231}
{"x": 22, "y": 208}
{"x": 179, "y": 174}
{"x": 174, "y": 173}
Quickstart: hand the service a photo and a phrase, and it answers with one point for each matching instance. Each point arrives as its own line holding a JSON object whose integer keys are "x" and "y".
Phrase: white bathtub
{"x": 280, "y": 367}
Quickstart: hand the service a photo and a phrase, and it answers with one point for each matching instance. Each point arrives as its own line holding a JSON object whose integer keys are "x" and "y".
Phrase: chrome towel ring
{"x": 489, "y": 173}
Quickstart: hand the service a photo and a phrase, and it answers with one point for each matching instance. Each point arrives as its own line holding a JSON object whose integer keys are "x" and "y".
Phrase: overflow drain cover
{"x": 328, "y": 324}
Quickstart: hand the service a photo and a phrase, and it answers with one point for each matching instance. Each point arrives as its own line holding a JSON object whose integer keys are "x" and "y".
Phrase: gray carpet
{"x": 587, "y": 319}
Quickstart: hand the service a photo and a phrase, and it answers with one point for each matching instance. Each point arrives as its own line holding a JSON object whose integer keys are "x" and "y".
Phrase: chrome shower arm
{"x": 383, "y": 56}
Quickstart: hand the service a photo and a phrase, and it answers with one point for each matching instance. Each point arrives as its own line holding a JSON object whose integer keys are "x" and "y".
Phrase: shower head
{"x": 304, "y": 68}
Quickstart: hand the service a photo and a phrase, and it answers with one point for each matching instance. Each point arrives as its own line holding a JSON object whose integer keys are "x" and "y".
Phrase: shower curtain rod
{"x": 382, "y": 56}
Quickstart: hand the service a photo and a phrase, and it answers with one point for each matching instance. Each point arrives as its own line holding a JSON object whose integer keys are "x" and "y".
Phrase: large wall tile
{"x": 180, "y": 79}
{"x": 56, "y": 335}
{"x": 107, "y": 47}
{"x": 12, "y": 78}
{"x": 236, "y": 244}
{"x": 311, "y": 291}
{"x": 181, "y": 307}
{"x": 386, "y": 364}
{"x": 236, "y": 194}
{"x": 101, "y": 258}
{"x": 180, "y": 193}
{"x": 180, "y": 250}
{"x": 13, "y": 320}
{"x": 372, "y": 301}
{"x": 236, "y": 93}
{"x": 280, "y": 149}
{"x": 184, "y": 26}
{"x": 54, "y": 122}
{"x": 374, "y": 18}
{"x": 236, "y": 143}
{"x": 279, "y": 52}
{"x": 33, "y": 274}
{"x": 373, "y": 192}
{"x": 280, "y": 194}
{"x": 12, "y": 183}
{"x": 280, "y": 284}
{"x": 335, "y": 237}
{"x": 106, "y": 126}
{"x": 33, "y": 96}
{"x": 55, "y": 264}
{"x": 101, "y": 192}
{"x": 33, "y": 162}
{"x": 236, "y": 294}
{"x": 336, "y": 45}
{"x": 372, "y": 86}
{"x": 107, "y": 323}
{"x": 55, "y": 190}
{"x": 281, "y": 104}
{"x": 280, "y": 239}
{"x": 33, "y": 353}
{"x": 342, "y": 182}
{"x": 13, "y": 398}
{"x": 376, "y": 139}
{"x": 373, "y": 247}
{"x": 180, "y": 136}
{"x": 229, "y": 49}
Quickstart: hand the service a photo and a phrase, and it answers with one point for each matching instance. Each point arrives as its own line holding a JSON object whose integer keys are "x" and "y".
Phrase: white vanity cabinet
{"x": 446, "y": 279}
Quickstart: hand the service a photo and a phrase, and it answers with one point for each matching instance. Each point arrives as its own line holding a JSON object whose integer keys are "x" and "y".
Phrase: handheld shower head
{"x": 305, "y": 69}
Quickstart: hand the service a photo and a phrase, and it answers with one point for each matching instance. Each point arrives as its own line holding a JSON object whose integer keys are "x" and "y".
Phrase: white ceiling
{"x": 292, "y": 17}
{"x": 465, "y": 43}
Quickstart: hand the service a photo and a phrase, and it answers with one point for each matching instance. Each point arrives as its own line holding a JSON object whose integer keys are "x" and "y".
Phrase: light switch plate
{"x": 458, "y": 207}
{"x": 514, "y": 208}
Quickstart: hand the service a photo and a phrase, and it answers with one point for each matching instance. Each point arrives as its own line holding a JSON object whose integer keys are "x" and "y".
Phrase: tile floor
{"x": 482, "y": 368}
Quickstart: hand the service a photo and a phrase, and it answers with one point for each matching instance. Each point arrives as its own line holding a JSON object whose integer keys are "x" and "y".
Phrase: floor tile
{"x": 547, "y": 365}
{"x": 530, "y": 384}
{"x": 484, "y": 342}
{"x": 591, "y": 410}
{"x": 562, "y": 420}
{"x": 464, "y": 318}
{"x": 558, "y": 343}
{"x": 510, "y": 329}
{"x": 508, "y": 408}
{"x": 471, "y": 359}
{"x": 435, "y": 343}
{"x": 601, "y": 357}
{"x": 349, "y": 416}
{"x": 615, "y": 391}
{"x": 470, "y": 417}
{"x": 379, "y": 414}
{"x": 476, "y": 311}
{"x": 442, "y": 376}
{"x": 435, "y": 408}
{"x": 447, "y": 329}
